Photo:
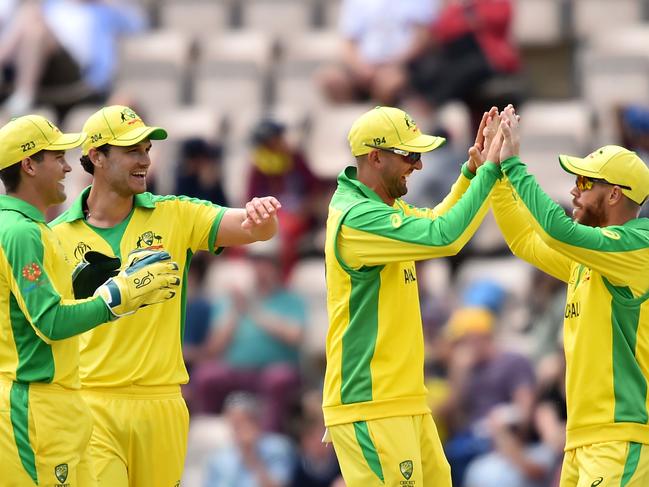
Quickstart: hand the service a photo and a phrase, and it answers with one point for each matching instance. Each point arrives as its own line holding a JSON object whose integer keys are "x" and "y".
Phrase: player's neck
{"x": 105, "y": 207}
{"x": 32, "y": 196}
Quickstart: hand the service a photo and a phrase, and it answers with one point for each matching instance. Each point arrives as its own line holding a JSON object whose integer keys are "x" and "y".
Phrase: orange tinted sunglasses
{"x": 585, "y": 183}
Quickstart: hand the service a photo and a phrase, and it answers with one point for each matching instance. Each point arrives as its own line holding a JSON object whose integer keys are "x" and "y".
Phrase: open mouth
{"x": 139, "y": 175}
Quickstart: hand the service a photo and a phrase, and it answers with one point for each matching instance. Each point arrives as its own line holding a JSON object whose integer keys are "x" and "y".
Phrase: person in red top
{"x": 471, "y": 46}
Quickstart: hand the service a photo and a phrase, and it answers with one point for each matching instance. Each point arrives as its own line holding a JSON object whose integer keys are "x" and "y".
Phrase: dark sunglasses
{"x": 410, "y": 157}
{"x": 585, "y": 183}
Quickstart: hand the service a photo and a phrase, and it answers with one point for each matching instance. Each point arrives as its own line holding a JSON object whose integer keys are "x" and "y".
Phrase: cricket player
{"x": 374, "y": 401}
{"x": 131, "y": 373}
{"x": 603, "y": 256}
{"x": 44, "y": 424}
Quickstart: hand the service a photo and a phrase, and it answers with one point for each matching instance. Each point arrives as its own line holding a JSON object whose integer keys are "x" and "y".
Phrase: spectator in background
{"x": 278, "y": 167}
{"x": 633, "y": 125}
{"x": 380, "y": 38}
{"x": 316, "y": 465}
{"x": 198, "y": 312}
{"x": 254, "y": 458}
{"x": 547, "y": 307}
{"x": 254, "y": 344}
{"x": 199, "y": 171}
{"x": 481, "y": 377}
{"x": 64, "y": 51}
{"x": 515, "y": 460}
{"x": 519, "y": 459}
{"x": 471, "y": 46}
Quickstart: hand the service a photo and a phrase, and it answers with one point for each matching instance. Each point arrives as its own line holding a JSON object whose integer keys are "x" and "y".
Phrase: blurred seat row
{"x": 536, "y": 21}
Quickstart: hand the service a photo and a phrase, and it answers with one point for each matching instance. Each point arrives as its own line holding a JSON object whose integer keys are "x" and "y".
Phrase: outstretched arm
{"x": 257, "y": 221}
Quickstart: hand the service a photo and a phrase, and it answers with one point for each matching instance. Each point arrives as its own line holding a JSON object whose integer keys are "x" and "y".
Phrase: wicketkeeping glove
{"x": 94, "y": 270}
{"x": 146, "y": 279}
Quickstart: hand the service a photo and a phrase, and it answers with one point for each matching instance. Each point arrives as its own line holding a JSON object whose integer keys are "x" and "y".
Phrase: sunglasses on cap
{"x": 410, "y": 157}
{"x": 585, "y": 183}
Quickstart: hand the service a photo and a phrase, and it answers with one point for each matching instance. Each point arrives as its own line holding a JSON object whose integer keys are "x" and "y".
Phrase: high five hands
{"x": 498, "y": 138}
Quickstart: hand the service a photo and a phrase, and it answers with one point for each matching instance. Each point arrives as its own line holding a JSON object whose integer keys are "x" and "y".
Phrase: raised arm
{"x": 615, "y": 252}
{"x": 374, "y": 234}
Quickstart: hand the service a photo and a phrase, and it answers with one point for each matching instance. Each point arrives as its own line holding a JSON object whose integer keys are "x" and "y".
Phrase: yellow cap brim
{"x": 67, "y": 141}
{"x": 137, "y": 135}
{"x": 578, "y": 166}
{"x": 422, "y": 143}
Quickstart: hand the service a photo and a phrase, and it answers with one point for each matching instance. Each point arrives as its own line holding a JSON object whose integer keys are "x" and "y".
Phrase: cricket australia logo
{"x": 61, "y": 473}
{"x": 406, "y": 469}
{"x": 128, "y": 116}
{"x": 410, "y": 123}
{"x": 147, "y": 241}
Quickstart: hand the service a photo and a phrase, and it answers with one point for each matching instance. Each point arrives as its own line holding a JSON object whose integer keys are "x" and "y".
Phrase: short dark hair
{"x": 87, "y": 164}
{"x": 10, "y": 176}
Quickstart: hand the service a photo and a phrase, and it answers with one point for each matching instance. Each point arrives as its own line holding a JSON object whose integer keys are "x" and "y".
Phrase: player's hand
{"x": 495, "y": 147}
{"x": 260, "y": 211}
{"x": 95, "y": 269}
{"x": 490, "y": 131}
{"x": 477, "y": 151}
{"x": 510, "y": 128}
{"x": 147, "y": 280}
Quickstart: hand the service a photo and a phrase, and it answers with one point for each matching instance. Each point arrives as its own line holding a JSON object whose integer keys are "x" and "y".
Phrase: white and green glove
{"x": 149, "y": 277}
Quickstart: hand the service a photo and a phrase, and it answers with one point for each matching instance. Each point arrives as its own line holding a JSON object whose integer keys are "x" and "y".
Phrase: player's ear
{"x": 27, "y": 165}
{"x": 615, "y": 196}
{"x": 373, "y": 158}
{"x": 95, "y": 157}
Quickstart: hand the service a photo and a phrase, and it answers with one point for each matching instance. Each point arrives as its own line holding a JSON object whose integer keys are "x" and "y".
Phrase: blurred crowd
{"x": 254, "y": 333}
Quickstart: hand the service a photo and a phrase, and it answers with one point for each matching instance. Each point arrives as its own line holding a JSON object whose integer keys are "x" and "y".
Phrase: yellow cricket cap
{"x": 118, "y": 125}
{"x": 615, "y": 165}
{"x": 25, "y": 136}
{"x": 389, "y": 128}
{"x": 465, "y": 321}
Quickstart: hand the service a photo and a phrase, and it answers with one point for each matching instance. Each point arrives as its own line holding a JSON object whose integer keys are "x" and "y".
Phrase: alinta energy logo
{"x": 32, "y": 272}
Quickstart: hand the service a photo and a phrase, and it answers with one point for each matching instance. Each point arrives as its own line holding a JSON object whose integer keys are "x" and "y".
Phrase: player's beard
{"x": 593, "y": 215}
{"x": 398, "y": 187}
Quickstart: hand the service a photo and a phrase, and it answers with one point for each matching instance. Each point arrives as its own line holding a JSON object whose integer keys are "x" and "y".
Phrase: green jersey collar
{"x": 347, "y": 179}
{"x": 75, "y": 212}
{"x": 21, "y": 206}
{"x": 640, "y": 223}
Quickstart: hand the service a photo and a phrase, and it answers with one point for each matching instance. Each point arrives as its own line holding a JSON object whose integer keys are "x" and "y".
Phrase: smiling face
{"x": 125, "y": 168}
{"x": 50, "y": 170}
{"x": 395, "y": 173}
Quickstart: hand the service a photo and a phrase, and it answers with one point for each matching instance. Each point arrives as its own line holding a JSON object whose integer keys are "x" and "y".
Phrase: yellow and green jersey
{"x": 606, "y": 325}
{"x": 39, "y": 320}
{"x": 144, "y": 348}
{"x": 375, "y": 347}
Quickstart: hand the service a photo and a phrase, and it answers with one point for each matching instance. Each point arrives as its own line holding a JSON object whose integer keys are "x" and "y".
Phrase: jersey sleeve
{"x": 51, "y": 316}
{"x": 456, "y": 192}
{"x": 517, "y": 229}
{"x": 616, "y": 252}
{"x": 201, "y": 220}
{"x": 373, "y": 233}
